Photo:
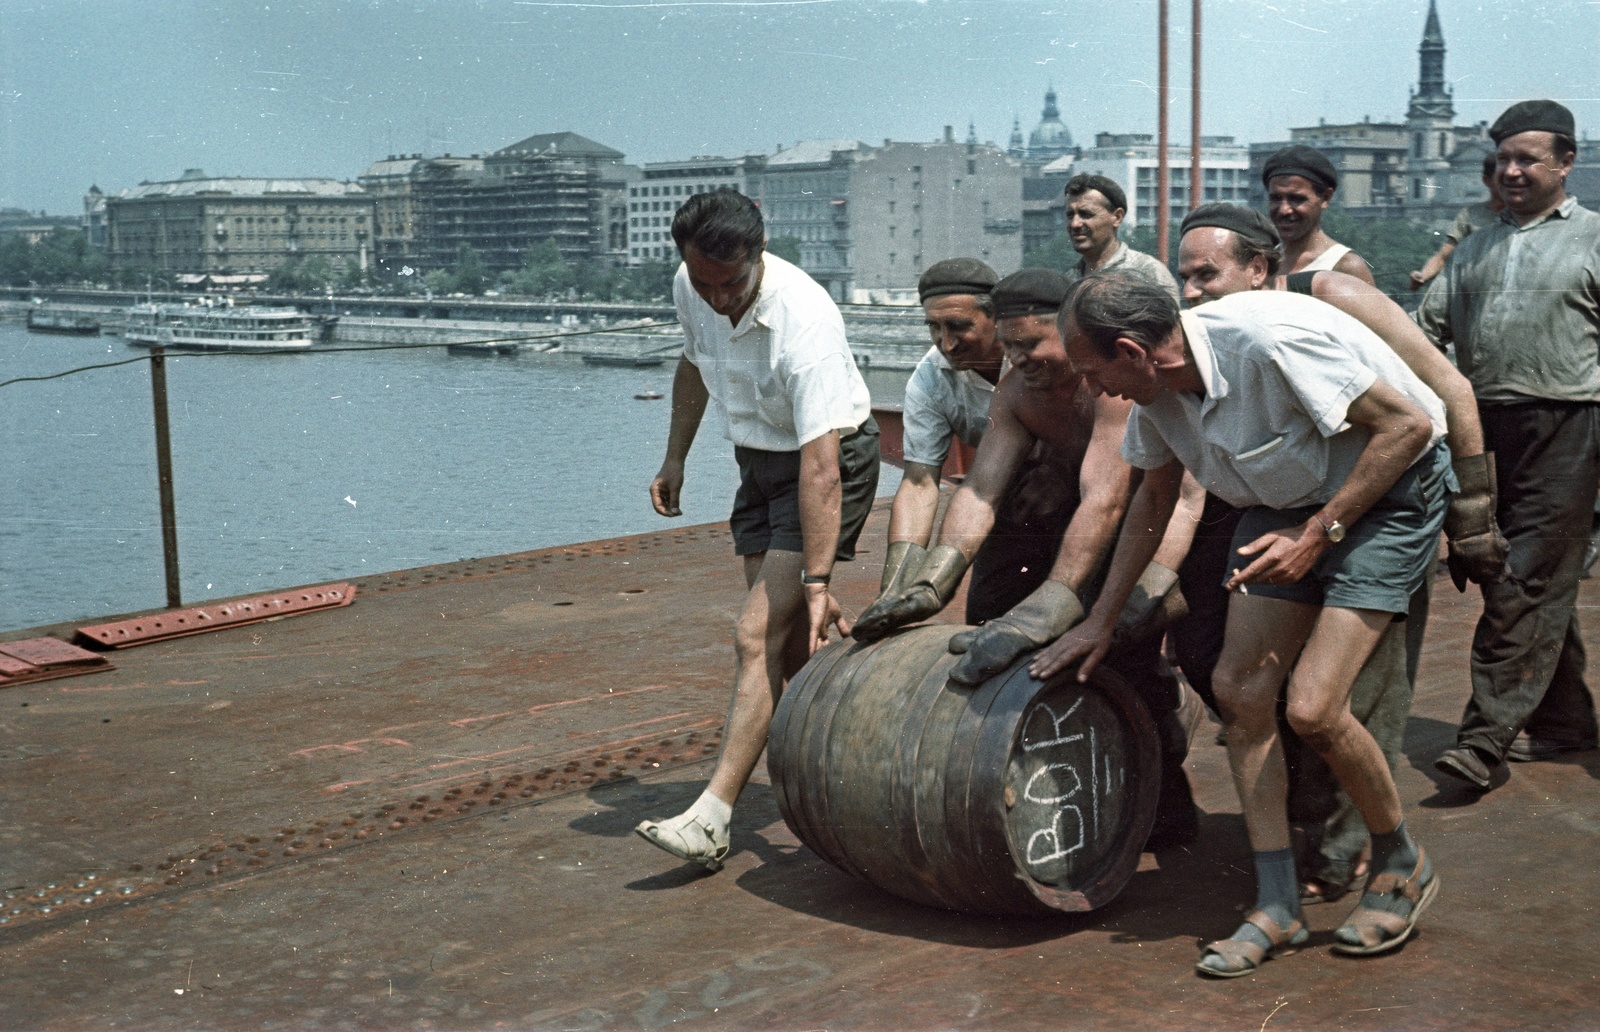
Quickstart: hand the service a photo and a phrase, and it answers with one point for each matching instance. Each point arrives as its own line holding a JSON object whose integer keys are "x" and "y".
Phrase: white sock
{"x": 711, "y": 809}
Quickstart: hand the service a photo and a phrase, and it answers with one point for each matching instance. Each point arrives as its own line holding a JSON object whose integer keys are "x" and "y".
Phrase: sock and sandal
{"x": 1401, "y": 887}
{"x": 698, "y": 834}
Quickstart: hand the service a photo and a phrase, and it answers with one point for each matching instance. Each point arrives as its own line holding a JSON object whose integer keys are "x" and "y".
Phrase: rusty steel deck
{"x": 416, "y": 812}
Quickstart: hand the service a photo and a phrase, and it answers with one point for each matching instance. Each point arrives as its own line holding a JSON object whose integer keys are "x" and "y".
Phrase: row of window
{"x": 676, "y": 189}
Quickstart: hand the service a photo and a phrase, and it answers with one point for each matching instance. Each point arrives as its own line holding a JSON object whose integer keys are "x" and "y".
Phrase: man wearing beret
{"x": 1041, "y": 401}
{"x": 1294, "y": 411}
{"x": 1095, "y": 209}
{"x": 1226, "y": 249}
{"x": 1520, "y": 299}
{"x": 767, "y": 345}
{"x": 1300, "y": 184}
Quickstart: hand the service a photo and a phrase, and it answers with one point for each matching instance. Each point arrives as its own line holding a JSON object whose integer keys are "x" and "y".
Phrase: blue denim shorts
{"x": 1385, "y": 556}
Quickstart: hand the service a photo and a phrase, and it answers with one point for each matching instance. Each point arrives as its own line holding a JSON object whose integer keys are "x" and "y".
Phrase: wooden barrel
{"x": 1018, "y": 797}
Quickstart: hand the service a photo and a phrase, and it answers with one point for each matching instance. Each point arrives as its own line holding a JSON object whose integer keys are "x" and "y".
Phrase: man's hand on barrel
{"x": 1477, "y": 548}
{"x": 1086, "y": 644}
{"x": 1155, "y": 603}
{"x": 823, "y": 614}
{"x": 1037, "y": 620}
{"x": 929, "y": 591}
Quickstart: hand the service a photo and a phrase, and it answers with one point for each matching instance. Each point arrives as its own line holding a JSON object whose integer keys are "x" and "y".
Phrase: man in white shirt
{"x": 1294, "y": 411}
{"x": 767, "y": 345}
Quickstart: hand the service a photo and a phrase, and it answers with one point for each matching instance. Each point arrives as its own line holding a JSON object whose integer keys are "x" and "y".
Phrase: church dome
{"x": 1051, "y": 138}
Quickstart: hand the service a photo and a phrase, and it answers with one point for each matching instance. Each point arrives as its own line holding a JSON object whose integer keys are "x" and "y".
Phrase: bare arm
{"x": 916, "y": 503}
{"x": 971, "y": 514}
{"x": 1373, "y": 309}
{"x": 1182, "y": 525}
{"x": 689, "y": 397}
{"x": 1353, "y": 264}
{"x": 820, "y": 502}
{"x": 1149, "y": 516}
{"x": 1400, "y": 431}
{"x": 1105, "y": 481}
{"x": 1435, "y": 262}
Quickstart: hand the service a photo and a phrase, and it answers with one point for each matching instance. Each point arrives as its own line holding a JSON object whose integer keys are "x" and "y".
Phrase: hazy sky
{"x": 111, "y": 93}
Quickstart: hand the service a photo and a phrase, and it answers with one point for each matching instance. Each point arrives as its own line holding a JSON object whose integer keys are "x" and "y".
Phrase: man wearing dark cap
{"x": 1520, "y": 299}
{"x": 1042, "y": 401}
{"x": 1300, "y": 184}
{"x": 1226, "y": 249}
{"x": 947, "y": 399}
{"x": 1095, "y": 209}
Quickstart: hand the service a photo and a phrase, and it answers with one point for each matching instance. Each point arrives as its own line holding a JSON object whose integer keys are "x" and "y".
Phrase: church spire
{"x": 1431, "y": 98}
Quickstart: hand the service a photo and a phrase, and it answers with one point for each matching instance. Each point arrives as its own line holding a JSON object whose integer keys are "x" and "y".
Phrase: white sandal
{"x": 694, "y": 840}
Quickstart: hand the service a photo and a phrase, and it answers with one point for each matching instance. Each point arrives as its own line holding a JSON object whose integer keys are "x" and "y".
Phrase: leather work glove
{"x": 900, "y": 564}
{"x": 930, "y": 590}
{"x": 1156, "y": 602}
{"x": 1036, "y": 621}
{"x": 1477, "y": 548}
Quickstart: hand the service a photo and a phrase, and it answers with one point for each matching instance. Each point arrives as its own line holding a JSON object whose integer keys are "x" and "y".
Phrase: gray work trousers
{"x": 1527, "y": 658}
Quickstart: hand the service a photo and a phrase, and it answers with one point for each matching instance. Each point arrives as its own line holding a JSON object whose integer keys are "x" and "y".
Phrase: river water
{"x": 300, "y": 468}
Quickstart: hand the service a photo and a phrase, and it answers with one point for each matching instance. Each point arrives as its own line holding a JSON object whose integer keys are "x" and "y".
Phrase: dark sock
{"x": 1392, "y": 853}
{"x": 1277, "y": 895}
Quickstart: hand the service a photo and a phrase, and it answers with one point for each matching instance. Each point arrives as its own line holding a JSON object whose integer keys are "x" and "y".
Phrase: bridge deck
{"x": 416, "y": 812}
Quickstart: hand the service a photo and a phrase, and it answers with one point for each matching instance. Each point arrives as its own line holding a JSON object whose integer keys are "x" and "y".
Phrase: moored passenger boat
{"x": 218, "y": 327}
{"x": 51, "y": 319}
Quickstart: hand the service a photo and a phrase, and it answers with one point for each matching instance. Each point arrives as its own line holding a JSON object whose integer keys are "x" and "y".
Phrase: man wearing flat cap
{"x": 1226, "y": 249}
{"x": 1042, "y": 401}
{"x": 1520, "y": 299}
{"x": 1300, "y": 183}
{"x": 1095, "y": 208}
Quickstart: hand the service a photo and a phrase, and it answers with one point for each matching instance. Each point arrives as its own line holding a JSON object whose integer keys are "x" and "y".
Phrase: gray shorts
{"x": 766, "y": 511}
{"x": 1384, "y": 557}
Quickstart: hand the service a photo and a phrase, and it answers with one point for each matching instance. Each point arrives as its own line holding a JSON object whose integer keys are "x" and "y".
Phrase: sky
{"x": 114, "y": 92}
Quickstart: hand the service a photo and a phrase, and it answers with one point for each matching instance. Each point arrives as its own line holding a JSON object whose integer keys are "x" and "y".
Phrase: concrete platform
{"x": 416, "y": 812}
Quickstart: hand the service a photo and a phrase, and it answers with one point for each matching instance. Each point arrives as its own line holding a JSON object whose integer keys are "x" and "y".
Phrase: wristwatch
{"x": 806, "y": 578}
{"x": 1334, "y": 530}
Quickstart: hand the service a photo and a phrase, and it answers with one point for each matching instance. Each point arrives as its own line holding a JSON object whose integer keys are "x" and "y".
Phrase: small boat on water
{"x": 48, "y": 319}
{"x": 627, "y": 361}
{"x": 219, "y": 327}
{"x": 649, "y": 394}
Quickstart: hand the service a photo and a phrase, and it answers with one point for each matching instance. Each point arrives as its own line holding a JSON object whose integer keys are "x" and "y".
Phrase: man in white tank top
{"x": 1300, "y": 182}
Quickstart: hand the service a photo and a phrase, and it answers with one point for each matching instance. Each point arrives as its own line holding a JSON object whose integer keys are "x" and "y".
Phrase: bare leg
{"x": 773, "y": 610}
{"x": 1319, "y": 711}
{"x": 1263, "y": 638}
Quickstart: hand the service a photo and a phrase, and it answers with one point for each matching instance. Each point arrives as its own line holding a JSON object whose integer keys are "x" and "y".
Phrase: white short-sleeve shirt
{"x": 943, "y": 403}
{"x": 1280, "y": 371}
{"x": 783, "y": 376}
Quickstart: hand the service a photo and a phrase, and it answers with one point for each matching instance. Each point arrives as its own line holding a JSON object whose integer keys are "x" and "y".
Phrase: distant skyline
{"x": 106, "y": 93}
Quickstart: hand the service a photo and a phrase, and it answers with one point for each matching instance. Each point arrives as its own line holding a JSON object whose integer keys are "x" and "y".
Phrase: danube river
{"x": 299, "y": 468}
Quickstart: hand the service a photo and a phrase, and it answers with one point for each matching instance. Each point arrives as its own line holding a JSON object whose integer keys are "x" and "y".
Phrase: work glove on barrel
{"x": 930, "y": 590}
{"x": 902, "y": 563}
{"x": 1033, "y": 623}
{"x": 1156, "y": 603}
{"x": 1477, "y": 548}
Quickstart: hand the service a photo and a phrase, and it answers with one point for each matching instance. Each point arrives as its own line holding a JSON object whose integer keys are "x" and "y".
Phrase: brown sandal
{"x": 1243, "y": 956}
{"x": 1379, "y": 931}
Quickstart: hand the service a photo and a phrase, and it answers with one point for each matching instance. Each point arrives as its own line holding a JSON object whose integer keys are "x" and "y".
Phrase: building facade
{"x": 664, "y": 185}
{"x": 868, "y": 220}
{"x": 204, "y": 224}
{"x": 1130, "y": 160}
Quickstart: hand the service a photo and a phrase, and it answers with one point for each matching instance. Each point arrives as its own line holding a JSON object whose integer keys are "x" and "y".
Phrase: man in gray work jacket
{"x": 1520, "y": 299}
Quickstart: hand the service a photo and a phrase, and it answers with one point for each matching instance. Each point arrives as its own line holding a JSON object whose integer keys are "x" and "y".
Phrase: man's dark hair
{"x": 1244, "y": 249}
{"x": 1562, "y": 145}
{"x": 724, "y": 225}
{"x": 1110, "y": 303}
{"x": 1083, "y": 182}
{"x": 1489, "y": 161}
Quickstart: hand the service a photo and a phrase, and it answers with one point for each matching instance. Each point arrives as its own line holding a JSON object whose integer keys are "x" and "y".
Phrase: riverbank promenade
{"x": 417, "y": 812}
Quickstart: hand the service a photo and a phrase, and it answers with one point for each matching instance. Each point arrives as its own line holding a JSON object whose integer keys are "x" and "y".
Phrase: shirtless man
{"x": 1300, "y": 184}
{"x": 1041, "y": 399}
